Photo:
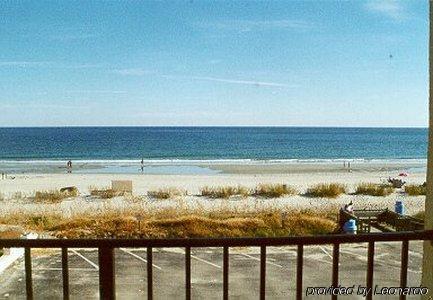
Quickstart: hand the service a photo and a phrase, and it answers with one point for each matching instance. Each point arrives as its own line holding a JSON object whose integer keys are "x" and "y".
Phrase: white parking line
{"x": 326, "y": 252}
{"x": 318, "y": 259}
{"x": 258, "y": 259}
{"x": 363, "y": 257}
{"x": 305, "y": 256}
{"x": 86, "y": 259}
{"x": 182, "y": 252}
{"x": 416, "y": 254}
{"x": 205, "y": 261}
{"x": 139, "y": 257}
{"x": 378, "y": 261}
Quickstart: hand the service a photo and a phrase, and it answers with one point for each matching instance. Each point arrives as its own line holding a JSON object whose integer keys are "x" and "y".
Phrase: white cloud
{"x": 390, "y": 8}
{"x": 66, "y": 37}
{"x": 141, "y": 72}
{"x": 233, "y": 81}
{"x": 62, "y": 36}
{"x": 47, "y": 64}
{"x": 250, "y": 25}
{"x": 133, "y": 72}
{"x": 22, "y": 64}
{"x": 26, "y": 106}
{"x": 96, "y": 92}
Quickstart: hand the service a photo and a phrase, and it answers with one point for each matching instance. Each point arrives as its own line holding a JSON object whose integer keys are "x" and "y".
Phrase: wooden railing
{"x": 107, "y": 263}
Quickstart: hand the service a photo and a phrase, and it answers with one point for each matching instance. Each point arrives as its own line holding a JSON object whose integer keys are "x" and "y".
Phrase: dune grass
{"x": 373, "y": 189}
{"x": 108, "y": 221}
{"x": 225, "y": 192}
{"x": 195, "y": 225}
{"x": 104, "y": 192}
{"x": 53, "y": 196}
{"x": 274, "y": 190}
{"x": 326, "y": 190}
{"x": 262, "y": 190}
{"x": 415, "y": 190}
{"x": 167, "y": 193}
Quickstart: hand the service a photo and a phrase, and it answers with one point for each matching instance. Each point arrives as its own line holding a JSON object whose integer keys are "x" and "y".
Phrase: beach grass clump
{"x": 195, "y": 225}
{"x": 104, "y": 192}
{"x": 141, "y": 220}
{"x": 326, "y": 190}
{"x": 274, "y": 190}
{"x": 35, "y": 220}
{"x": 53, "y": 196}
{"x": 224, "y": 192}
{"x": 167, "y": 193}
{"x": 374, "y": 189}
{"x": 415, "y": 189}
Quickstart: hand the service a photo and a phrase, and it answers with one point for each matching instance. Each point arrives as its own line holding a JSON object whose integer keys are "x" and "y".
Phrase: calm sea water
{"x": 211, "y": 143}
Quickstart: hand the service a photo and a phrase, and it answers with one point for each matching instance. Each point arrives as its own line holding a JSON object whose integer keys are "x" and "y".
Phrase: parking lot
{"x": 206, "y": 270}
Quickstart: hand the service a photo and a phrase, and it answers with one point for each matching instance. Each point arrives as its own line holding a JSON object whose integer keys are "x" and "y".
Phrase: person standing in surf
{"x": 69, "y": 166}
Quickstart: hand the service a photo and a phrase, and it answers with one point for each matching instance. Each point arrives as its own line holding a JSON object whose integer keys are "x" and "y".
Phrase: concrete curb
{"x": 7, "y": 260}
{"x": 15, "y": 253}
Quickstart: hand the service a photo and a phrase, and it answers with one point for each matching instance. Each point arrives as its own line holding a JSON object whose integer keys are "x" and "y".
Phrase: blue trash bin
{"x": 350, "y": 227}
{"x": 399, "y": 207}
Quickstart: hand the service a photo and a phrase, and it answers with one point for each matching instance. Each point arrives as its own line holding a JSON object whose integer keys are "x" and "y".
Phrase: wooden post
{"x": 427, "y": 266}
{"x": 107, "y": 284}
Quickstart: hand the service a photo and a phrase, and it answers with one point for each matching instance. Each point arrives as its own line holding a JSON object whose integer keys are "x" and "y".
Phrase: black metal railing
{"x": 107, "y": 264}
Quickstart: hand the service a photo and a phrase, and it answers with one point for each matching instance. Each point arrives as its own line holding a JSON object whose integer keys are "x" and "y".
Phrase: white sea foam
{"x": 211, "y": 161}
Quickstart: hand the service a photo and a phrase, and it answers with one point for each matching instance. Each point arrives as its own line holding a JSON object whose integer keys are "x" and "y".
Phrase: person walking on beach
{"x": 69, "y": 166}
{"x": 142, "y": 165}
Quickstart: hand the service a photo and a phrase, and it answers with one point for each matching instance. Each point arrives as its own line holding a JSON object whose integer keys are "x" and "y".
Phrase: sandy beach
{"x": 300, "y": 176}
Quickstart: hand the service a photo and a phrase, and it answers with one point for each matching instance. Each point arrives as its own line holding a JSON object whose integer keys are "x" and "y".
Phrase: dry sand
{"x": 299, "y": 175}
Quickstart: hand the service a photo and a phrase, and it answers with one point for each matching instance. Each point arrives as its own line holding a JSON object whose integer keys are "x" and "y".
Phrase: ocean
{"x": 34, "y": 148}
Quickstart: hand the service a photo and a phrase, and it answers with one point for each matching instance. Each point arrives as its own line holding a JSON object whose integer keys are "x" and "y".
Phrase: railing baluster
{"x": 65, "y": 273}
{"x": 149, "y": 273}
{"x": 188, "y": 273}
{"x": 226, "y": 273}
{"x": 107, "y": 289}
{"x": 299, "y": 271}
{"x": 335, "y": 262}
{"x": 370, "y": 270}
{"x": 404, "y": 264}
{"x": 28, "y": 270}
{"x": 262, "y": 272}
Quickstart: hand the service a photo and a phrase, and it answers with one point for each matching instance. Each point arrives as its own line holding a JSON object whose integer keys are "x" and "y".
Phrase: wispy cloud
{"x": 132, "y": 72}
{"x": 233, "y": 81}
{"x": 22, "y": 64}
{"x": 72, "y": 37}
{"x": 79, "y": 66}
{"x": 96, "y": 92}
{"x": 62, "y": 36}
{"x": 27, "y": 106}
{"x": 142, "y": 72}
{"x": 390, "y": 8}
{"x": 48, "y": 64}
{"x": 255, "y": 25}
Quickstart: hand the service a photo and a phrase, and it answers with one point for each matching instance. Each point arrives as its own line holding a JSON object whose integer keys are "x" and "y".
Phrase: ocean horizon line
{"x": 212, "y": 161}
{"x": 213, "y": 126}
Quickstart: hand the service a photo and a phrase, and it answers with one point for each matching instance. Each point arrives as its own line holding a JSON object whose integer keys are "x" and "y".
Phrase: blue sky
{"x": 295, "y": 63}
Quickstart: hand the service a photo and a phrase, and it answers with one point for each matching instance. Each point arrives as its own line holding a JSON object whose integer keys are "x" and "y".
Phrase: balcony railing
{"x": 107, "y": 264}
